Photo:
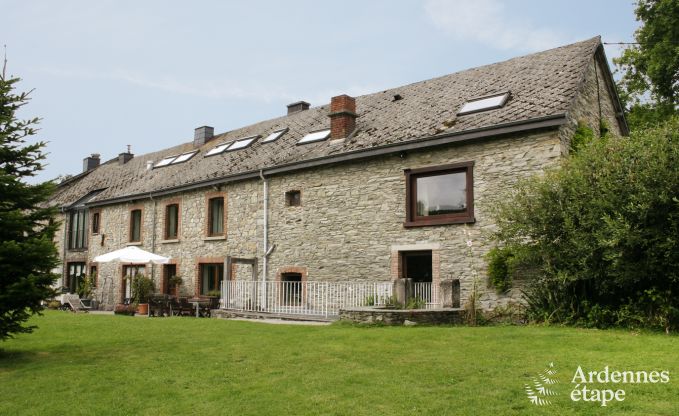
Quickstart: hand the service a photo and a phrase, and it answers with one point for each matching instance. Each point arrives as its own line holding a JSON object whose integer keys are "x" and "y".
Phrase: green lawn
{"x": 94, "y": 364}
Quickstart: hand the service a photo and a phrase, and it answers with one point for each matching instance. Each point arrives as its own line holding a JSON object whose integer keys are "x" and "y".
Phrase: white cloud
{"x": 487, "y": 22}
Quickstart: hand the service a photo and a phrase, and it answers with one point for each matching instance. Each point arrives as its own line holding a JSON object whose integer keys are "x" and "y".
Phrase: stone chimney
{"x": 125, "y": 157}
{"x": 342, "y": 116}
{"x": 297, "y": 107}
{"x": 91, "y": 162}
{"x": 202, "y": 135}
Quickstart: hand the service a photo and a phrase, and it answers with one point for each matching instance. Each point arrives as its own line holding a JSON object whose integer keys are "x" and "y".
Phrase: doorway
{"x": 291, "y": 288}
{"x": 417, "y": 265}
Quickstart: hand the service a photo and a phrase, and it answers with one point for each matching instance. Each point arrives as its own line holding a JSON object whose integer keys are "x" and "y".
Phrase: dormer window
{"x": 488, "y": 102}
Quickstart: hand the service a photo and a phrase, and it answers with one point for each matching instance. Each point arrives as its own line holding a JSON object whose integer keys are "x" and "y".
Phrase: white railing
{"x": 303, "y": 298}
{"x": 428, "y": 293}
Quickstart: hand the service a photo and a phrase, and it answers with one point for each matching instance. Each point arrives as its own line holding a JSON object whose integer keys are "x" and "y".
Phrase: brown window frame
{"x": 411, "y": 176}
{"x": 209, "y": 231}
{"x": 141, "y": 225}
{"x": 166, "y": 235}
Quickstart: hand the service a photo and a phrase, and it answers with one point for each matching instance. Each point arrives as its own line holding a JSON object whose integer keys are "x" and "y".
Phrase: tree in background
{"x": 27, "y": 250}
{"x": 598, "y": 239}
{"x": 649, "y": 87}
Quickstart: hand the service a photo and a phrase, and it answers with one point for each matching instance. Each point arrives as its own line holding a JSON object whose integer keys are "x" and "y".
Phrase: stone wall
{"x": 349, "y": 225}
{"x": 377, "y": 316}
{"x": 586, "y": 109}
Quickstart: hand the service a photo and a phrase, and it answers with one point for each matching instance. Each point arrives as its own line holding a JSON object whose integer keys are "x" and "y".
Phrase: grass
{"x": 119, "y": 365}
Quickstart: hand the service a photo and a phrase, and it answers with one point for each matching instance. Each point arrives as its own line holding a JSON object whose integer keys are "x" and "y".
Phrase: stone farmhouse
{"x": 374, "y": 188}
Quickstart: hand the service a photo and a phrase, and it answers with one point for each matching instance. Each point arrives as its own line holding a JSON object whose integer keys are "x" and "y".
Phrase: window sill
{"x": 439, "y": 221}
{"x": 214, "y": 238}
{"x": 78, "y": 250}
{"x": 134, "y": 243}
{"x": 171, "y": 241}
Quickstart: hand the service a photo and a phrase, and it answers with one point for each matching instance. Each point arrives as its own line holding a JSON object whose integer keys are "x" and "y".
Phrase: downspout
{"x": 265, "y": 238}
{"x": 153, "y": 234}
{"x": 153, "y": 241}
{"x": 63, "y": 248}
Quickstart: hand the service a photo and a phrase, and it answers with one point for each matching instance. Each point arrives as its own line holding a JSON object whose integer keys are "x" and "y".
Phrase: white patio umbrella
{"x": 132, "y": 254}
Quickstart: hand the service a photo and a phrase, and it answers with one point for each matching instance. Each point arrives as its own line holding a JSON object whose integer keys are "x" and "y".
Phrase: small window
{"x": 95, "y": 223}
{"x": 183, "y": 157}
{"x": 242, "y": 143}
{"x": 135, "y": 226}
{"x": 218, "y": 149}
{"x": 315, "y": 136}
{"x": 211, "y": 275}
{"x": 166, "y": 161}
{"x": 216, "y": 216}
{"x": 171, "y": 221}
{"x": 484, "y": 103}
{"x": 274, "y": 136}
{"x": 440, "y": 195}
{"x": 293, "y": 198}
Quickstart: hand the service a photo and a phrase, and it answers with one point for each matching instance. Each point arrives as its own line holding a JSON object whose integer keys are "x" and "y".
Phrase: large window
{"x": 440, "y": 195}
{"x": 77, "y": 229}
{"x": 215, "y": 216}
{"x": 135, "y": 225}
{"x": 171, "y": 221}
{"x": 211, "y": 275}
{"x": 75, "y": 274}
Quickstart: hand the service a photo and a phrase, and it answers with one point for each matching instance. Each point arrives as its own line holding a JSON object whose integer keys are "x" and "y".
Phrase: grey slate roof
{"x": 541, "y": 84}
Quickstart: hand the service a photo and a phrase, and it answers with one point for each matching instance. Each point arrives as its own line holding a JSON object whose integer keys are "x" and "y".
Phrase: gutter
{"x": 547, "y": 122}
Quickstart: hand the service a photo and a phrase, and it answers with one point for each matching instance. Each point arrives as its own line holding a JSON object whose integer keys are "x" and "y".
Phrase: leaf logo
{"x": 538, "y": 393}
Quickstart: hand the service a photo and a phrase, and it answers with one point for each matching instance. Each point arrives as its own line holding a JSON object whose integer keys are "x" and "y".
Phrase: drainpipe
{"x": 153, "y": 234}
{"x": 64, "y": 245}
{"x": 265, "y": 238}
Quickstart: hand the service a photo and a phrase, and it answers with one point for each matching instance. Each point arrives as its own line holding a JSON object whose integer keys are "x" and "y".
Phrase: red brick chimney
{"x": 342, "y": 116}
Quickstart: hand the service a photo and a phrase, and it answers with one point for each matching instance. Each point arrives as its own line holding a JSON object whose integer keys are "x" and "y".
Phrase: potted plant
{"x": 175, "y": 282}
{"x": 142, "y": 288}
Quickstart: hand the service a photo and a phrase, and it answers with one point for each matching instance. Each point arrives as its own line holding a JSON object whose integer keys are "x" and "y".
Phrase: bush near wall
{"x": 603, "y": 231}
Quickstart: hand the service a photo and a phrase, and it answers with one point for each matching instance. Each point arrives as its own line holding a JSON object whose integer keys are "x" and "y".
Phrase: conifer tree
{"x": 27, "y": 227}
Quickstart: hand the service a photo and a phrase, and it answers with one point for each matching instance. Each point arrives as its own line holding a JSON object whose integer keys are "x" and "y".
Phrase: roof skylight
{"x": 242, "y": 143}
{"x": 218, "y": 149}
{"x": 484, "y": 103}
{"x": 184, "y": 157}
{"x": 166, "y": 161}
{"x": 274, "y": 136}
{"x": 315, "y": 136}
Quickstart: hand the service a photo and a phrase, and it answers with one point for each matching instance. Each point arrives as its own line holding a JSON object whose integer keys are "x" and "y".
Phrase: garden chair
{"x": 75, "y": 303}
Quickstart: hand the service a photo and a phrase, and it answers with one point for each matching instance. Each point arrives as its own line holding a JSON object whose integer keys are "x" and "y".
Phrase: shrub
{"x": 603, "y": 231}
{"x": 500, "y": 269}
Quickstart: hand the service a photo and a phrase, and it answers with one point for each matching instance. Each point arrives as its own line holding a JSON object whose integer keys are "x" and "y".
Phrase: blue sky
{"x": 146, "y": 73}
